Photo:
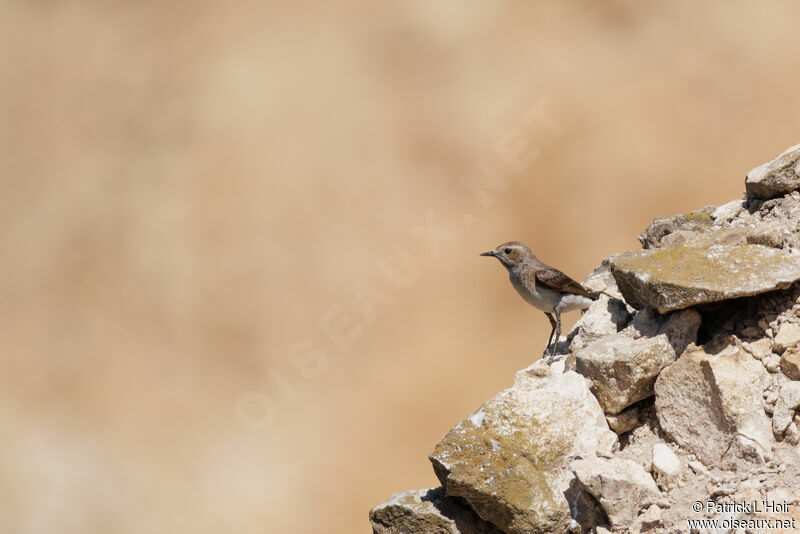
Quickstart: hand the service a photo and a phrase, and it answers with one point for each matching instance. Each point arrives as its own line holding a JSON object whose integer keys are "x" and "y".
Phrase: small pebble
{"x": 698, "y": 468}
{"x": 773, "y": 363}
{"x": 722, "y": 491}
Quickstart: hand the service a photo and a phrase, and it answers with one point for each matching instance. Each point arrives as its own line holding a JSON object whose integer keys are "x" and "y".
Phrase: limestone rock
{"x": 710, "y": 403}
{"x": 760, "y": 348}
{"x": 698, "y": 467}
{"x": 788, "y": 401}
{"x": 623, "y": 367}
{"x": 770, "y": 234}
{"x": 790, "y": 363}
{"x": 675, "y": 278}
{"x": 792, "y": 434}
{"x": 650, "y": 519}
{"x": 510, "y": 459}
{"x": 776, "y": 177}
{"x": 622, "y": 487}
{"x": 665, "y": 461}
{"x": 788, "y": 335}
{"x": 772, "y": 363}
{"x": 720, "y": 236}
{"x": 428, "y": 511}
{"x": 696, "y": 221}
{"x": 625, "y": 421}
{"x": 727, "y": 212}
{"x": 603, "y": 318}
{"x": 600, "y": 279}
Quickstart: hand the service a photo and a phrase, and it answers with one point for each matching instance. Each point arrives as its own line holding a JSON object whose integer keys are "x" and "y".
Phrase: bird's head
{"x": 511, "y": 253}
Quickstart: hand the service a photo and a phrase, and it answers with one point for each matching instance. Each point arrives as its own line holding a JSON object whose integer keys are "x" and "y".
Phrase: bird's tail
{"x": 596, "y": 295}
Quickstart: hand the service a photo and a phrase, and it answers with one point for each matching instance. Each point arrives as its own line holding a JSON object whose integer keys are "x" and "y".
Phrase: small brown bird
{"x": 542, "y": 286}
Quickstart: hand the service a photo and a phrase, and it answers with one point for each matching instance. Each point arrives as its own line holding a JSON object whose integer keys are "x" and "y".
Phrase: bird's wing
{"x": 555, "y": 279}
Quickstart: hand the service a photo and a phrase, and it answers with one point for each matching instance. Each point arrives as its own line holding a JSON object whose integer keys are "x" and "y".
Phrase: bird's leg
{"x": 558, "y": 331}
{"x": 552, "y": 329}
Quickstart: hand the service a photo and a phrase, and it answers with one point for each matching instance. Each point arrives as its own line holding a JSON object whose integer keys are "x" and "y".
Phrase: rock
{"x": 623, "y": 368}
{"x": 722, "y": 491}
{"x": 510, "y": 459}
{"x": 720, "y": 236}
{"x": 650, "y": 519}
{"x": 788, "y": 401}
{"x": 784, "y": 495}
{"x": 428, "y": 511}
{"x": 625, "y": 421}
{"x": 772, "y": 363}
{"x": 754, "y": 331}
{"x": 788, "y": 336}
{"x": 772, "y": 397}
{"x": 676, "y": 278}
{"x": 665, "y": 461}
{"x": 790, "y": 363}
{"x": 770, "y": 234}
{"x": 600, "y": 279}
{"x": 539, "y": 368}
{"x": 698, "y": 467}
{"x": 792, "y": 434}
{"x": 777, "y": 177}
{"x": 603, "y": 318}
{"x": 727, "y": 212}
{"x": 622, "y": 487}
{"x": 758, "y": 349}
{"x": 710, "y": 403}
{"x": 695, "y": 221}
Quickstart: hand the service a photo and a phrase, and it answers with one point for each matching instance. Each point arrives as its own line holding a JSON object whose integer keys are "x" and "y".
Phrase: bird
{"x": 542, "y": 286}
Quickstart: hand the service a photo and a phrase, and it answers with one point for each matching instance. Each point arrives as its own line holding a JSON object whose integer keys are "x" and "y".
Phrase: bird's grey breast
{"x": 539, "y": 297}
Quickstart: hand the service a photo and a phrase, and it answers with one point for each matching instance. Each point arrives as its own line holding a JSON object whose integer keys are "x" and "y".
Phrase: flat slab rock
{"x": 676, "y": 278}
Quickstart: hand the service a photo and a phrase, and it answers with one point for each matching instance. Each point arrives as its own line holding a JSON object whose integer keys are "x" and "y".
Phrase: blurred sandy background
{"x": 189, "y": 188}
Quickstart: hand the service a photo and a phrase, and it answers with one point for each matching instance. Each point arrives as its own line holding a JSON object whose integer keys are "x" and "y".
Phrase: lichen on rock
{"x": 509, "y": 459}
{"x": 675, "y": 278}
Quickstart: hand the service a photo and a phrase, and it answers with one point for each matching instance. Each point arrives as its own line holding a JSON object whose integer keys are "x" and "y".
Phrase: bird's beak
{"x": 490, "y": 253}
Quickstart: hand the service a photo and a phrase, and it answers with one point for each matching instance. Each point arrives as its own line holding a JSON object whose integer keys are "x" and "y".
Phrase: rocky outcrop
{"x": 691, "y": 356}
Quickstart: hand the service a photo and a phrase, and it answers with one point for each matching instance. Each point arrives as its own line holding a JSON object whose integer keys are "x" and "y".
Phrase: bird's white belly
{"x": 573, "y": 302}
{"x": 549, "y": 300}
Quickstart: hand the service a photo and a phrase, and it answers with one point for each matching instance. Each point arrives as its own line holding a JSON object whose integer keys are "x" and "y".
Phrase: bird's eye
{"x": 507, "y": 251}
